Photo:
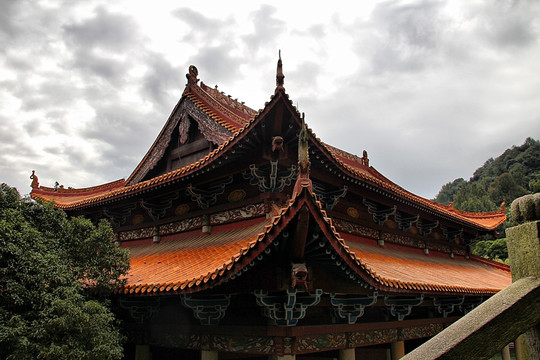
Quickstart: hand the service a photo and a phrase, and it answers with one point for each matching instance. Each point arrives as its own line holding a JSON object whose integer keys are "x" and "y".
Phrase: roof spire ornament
{"x": 279, "y": 75}
{"x": 303, "y": 180}
{"x": 303, "y": 151}
{"x": 192, "y": 75}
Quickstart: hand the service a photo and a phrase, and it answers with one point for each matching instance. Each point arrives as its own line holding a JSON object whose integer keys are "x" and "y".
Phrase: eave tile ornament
{"x": 287, "y": 309}
{"x": 351, "y": 308}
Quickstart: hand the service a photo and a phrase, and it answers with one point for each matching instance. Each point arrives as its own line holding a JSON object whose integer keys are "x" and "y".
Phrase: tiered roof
{"x": 186, "y": 262}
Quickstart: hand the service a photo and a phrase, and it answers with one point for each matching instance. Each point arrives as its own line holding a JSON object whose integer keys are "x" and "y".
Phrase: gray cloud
{"x": 203, "y": 28}
{"x": 510, "y": 24}
{"x": 105, "y": 30}
{"x": 267, "y": 28}
{"x": 218, "y": 63}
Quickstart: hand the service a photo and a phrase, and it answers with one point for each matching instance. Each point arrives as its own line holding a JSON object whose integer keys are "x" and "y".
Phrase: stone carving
{"x": 526, "y": 208}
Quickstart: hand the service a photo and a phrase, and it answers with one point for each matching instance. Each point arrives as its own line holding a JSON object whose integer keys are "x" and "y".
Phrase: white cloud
{"x": 430, "y": 89}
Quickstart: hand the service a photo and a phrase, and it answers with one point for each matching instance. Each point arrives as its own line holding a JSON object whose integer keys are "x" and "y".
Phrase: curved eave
{"x": 371, "y": 177}
{"x": 265, "y": 238}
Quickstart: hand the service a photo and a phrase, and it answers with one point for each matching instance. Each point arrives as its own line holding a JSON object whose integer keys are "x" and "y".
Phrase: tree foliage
{"x": 514, "y": 173}
{"x": 55, "y": 275}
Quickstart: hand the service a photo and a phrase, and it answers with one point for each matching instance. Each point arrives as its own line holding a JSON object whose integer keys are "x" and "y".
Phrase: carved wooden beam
{"x": 209, "y": 311}
{"x": 286, "y": 310}
{"x": 379, "y": 212}
{"x": 329, "y": 198}
{"x": 118, "y": 216}
{"x": 207, "y": 196}
{"x": 140, "y": 309}
{"x": 405, "y": 221}
{"x": 270, "y": 178}
{"x": 425, "y": 227}
{"x": 447, "y": 305}
{"x": 157, "y": 207}
{"x": 402, "y": 306}
{"x": 351, "y": 309}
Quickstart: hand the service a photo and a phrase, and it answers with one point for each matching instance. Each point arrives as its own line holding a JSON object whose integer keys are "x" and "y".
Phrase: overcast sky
{"x": 431, "y": 89}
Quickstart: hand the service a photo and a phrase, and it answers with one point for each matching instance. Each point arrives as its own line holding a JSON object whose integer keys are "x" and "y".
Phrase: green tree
{"x": 449, "y": 190}
{"x": 473, "y": 197}
{"x": 505, "y": 188}
{"x": 55, "y": 275}
{"x": 492, "y": 249}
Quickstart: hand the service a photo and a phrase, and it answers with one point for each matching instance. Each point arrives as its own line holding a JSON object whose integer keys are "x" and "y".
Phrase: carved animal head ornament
{"x": 299, "y": 275}
{"x": 277, "y": 144}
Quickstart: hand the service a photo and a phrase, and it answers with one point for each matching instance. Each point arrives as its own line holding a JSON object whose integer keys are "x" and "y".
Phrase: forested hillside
{"x": 514, "y": 173}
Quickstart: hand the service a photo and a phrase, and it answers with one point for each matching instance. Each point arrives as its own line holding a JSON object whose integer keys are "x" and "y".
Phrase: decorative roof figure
{"x": 34, "y": 178}
{"x": 192, "y": 75}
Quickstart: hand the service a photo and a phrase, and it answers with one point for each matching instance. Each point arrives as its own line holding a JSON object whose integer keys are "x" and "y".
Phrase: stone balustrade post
{"x": 524, "y": 254}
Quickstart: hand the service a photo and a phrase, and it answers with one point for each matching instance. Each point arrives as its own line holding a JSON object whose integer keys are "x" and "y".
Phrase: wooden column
{"x": 398, "y": 349}
{"x": 142, "y": 352}
{"x": 209, "y": 355}
{"x": 518, "y": 346}
{"x": 347, "y": 354}
{"x": 282, "y": 357}
{"x": 505, "y": 353}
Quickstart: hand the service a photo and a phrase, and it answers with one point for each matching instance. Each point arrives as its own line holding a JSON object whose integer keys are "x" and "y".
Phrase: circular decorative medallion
{"x": 181, "y": 209}
{"x": 236, "y": 195}
{"x": 353, "y": 212}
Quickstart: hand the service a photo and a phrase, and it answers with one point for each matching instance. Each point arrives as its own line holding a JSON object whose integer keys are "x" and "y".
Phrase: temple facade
{"x": 250, "y": 237}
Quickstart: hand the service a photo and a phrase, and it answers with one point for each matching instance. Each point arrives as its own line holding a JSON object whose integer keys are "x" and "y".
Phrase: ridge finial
{"x": 279, "y": 75}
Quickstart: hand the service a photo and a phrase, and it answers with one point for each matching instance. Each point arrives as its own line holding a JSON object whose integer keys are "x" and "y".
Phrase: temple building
{"x": 250, "y": 237}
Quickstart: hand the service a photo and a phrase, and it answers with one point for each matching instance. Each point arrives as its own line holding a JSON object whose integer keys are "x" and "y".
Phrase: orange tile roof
{"x": 411, "y": 269}
{"x": 193, "y": 261}
{"x": 183, "y": 262}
